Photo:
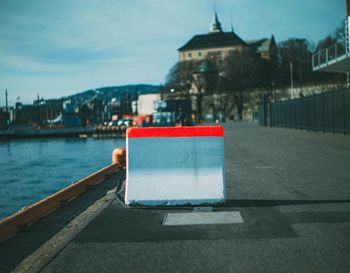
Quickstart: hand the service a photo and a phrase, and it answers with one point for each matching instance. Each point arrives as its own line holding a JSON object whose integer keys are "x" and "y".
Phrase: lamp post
{"x": 204, "y": 78}
{"x": 7, "y": 108}
{"x": 6, "y": 101}
{"x": 38, "y": 102}
{"x": 291, "y": 78}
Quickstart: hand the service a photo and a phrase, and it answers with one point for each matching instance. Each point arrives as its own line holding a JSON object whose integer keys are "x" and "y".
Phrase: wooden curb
{"x": 26, "y": 217}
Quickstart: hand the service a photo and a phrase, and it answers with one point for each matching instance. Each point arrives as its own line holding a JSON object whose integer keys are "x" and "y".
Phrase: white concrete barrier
{"x": 175, "y": 166}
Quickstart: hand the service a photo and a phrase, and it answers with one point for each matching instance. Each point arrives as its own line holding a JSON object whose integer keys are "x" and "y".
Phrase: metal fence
{"x": 329, "y": 55}
{"x": 326, "y": 112}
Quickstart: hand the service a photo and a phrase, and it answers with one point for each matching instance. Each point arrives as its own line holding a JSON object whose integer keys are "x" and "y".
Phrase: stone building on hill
{"x": 218, "y": 44}
{"x": 205, "y": 51}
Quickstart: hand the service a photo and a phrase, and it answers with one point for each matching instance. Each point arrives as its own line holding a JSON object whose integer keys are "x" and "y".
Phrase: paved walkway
{"x": 292, "y": 189}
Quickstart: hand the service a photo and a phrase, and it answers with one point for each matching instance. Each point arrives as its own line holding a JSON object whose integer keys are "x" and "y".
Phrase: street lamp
{"x": 291, "y": 78}
{"x": 205, "y": 77}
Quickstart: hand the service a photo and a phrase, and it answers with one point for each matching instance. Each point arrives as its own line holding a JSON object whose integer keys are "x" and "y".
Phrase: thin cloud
{"x": 65, "y": 45}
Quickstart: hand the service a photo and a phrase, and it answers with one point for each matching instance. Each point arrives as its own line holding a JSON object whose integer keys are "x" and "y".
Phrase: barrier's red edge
{"x": 185, "y": 131}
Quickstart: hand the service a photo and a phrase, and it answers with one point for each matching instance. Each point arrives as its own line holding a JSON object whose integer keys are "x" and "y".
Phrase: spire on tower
{"x": 231, "y": 28}
{"x": 216, "y": 25}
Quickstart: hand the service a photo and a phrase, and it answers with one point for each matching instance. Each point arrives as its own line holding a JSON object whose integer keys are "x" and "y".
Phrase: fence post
{"x": 307, "y": 113}
{"x": 265, "y": 110}
{"x": 323, "y": 125}
{"x": 344, "y": 110}
{"x": 270, "y": 115}
{"x": 315, "y": 114}
{"x": 333, "y": 113}
{"x": 294, "y": 105}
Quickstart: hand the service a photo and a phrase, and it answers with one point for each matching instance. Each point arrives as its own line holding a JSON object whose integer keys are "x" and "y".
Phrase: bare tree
{"x": 297, "y": 52}
{"x": 242, "y": 72}
{"x": 326, "y": 42}
{"x": 192, "y": 80}
{"x": 181, "y": 77}
{"x": 339, "y": 32}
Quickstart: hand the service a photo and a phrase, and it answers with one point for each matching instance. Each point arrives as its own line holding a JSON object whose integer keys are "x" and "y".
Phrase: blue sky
{"x": 60, "y": 47}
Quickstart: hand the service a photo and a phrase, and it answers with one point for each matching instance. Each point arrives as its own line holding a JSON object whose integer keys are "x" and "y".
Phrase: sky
{"x": 56, "y": 48}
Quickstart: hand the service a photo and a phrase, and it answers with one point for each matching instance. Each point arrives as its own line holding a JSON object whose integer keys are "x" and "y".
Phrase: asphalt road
{"x": 292, "y": 189}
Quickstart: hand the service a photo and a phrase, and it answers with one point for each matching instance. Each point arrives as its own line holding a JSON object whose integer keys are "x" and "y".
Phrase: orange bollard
{"x": 119, "y": 156}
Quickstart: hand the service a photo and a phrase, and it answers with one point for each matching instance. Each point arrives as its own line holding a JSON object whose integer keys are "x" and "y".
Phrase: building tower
{"x": 216, "y": 25}
{"x": 218, "y": 44}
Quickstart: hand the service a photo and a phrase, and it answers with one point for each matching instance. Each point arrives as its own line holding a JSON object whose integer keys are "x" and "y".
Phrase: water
{"x": 33, "y": 169}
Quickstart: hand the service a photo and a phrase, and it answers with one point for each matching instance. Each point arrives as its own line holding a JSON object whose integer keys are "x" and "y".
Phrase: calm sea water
{"x": 33, "y": 169}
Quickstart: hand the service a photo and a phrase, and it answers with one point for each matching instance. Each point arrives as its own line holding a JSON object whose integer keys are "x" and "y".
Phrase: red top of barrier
{"x": 185, "y": 131}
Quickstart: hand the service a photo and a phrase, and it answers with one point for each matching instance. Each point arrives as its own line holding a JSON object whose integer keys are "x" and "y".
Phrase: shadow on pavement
{"x": 273, "y": 202}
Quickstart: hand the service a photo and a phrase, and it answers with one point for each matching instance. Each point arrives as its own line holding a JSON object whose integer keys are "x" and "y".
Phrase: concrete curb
{"x": 48, "y": 251}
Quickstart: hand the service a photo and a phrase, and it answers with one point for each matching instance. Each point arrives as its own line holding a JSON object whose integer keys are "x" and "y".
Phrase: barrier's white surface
{"x": 175, "y": 166}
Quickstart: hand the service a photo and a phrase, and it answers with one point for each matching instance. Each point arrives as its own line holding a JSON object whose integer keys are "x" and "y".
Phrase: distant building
{"x": 27, "y": 114}
{"x": 173, "y": 111}
{"x": 69, "y": 116}
{"x": 218, "y": 44}
{"x": 264, "y": 47}
{"x": 38, "y": 113}
{"x": 4, "y": 119}
{"x": 146, "y": 104}
{"x": 52, "y": 108}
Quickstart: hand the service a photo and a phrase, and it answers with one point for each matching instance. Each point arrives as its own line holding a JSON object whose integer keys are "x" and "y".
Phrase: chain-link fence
{"x": 326, "y": 112}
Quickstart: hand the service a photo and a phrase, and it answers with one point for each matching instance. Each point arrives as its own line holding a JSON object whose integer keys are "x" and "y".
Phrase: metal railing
{"x": 325, "y": 112}
{"x": 329, "y": 55}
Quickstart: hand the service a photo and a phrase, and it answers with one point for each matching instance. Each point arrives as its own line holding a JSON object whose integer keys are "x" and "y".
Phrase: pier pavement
{"x": 291, "y": 188}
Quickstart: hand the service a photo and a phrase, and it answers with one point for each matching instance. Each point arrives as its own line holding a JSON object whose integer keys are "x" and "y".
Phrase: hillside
{"x": 109, "y": 92}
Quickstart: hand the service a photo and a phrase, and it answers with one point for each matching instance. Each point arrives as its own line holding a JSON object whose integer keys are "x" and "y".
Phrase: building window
{"x": 189, "y": 55}
{"x": 199, "y": 54}
{"x": 214, "y": 54}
